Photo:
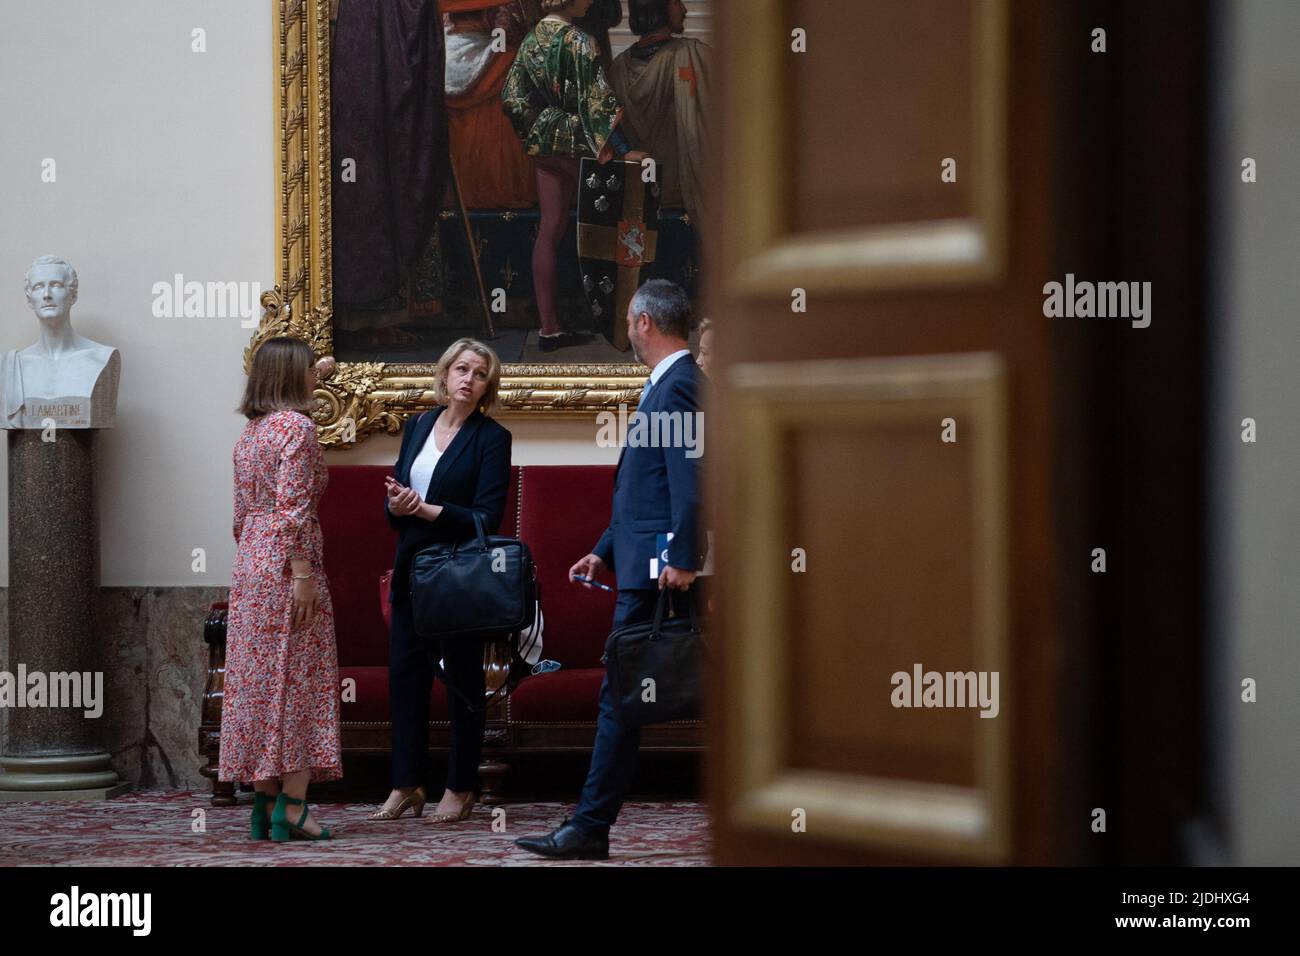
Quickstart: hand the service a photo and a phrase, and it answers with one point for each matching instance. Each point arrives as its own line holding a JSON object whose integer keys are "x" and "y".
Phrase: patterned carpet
{"x": 181, "y": 828}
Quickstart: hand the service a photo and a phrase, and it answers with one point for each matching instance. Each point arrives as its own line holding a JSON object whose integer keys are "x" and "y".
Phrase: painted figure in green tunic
{"x": 563, "y": 109}
{"x": 557, "y": 96}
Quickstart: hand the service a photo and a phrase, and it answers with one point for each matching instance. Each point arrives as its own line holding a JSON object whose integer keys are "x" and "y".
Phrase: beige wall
{"x": 164, "y": 165}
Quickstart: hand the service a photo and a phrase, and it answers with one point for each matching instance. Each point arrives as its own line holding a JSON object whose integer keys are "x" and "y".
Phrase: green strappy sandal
{"x": 282, "y": 830}
{"x": 259, "y": 826}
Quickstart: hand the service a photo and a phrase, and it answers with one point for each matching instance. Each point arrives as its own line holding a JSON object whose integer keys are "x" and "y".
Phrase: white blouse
{"x": 425, "y": 462}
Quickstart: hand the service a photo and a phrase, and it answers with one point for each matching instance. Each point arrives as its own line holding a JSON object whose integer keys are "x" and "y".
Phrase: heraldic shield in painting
{"x": 618, "y": 219}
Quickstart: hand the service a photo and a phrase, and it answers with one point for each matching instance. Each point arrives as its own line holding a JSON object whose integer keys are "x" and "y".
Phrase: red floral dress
{"x": 280, "y": 713}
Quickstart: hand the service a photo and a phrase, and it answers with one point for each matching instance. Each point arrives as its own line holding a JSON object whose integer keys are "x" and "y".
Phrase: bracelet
{"x": 302, "y": 577}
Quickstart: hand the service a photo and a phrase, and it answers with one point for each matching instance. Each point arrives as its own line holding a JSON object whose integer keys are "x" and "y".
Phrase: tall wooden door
{"x": 883, "y": 425}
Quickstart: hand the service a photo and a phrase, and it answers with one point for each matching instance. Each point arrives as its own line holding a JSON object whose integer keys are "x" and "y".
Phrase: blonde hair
{"x": 278, "y": 379}
{"x": 453, "y": 352}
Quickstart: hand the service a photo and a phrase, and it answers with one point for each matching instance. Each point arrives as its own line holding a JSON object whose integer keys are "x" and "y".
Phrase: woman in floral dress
{"x": 280, "y": 713}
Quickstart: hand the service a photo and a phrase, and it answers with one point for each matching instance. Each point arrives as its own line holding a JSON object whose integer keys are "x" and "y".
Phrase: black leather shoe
{"x": 549, "y": 343}
{"x": 568, "y": 843}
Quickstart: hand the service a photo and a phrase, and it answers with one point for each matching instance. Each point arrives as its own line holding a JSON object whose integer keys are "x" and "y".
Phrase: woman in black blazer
{"x": 454, "y": 463}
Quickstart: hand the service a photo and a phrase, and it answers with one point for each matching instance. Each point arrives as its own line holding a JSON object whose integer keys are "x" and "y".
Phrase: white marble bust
{"x": 65, "y": 377}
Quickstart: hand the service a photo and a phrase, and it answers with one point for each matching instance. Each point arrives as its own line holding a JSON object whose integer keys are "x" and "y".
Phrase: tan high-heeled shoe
{"x": 415, "y": 800}
{"x": 456, "y": 817}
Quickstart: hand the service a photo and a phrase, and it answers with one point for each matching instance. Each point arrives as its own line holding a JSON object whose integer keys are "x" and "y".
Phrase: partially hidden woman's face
{"x": 467, "y": 379}
{"x": 705, "y": 355}
{"x": 579, "y": 8}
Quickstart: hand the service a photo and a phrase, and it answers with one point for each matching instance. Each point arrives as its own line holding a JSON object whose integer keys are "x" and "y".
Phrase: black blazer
{"x": 473, "y": 475}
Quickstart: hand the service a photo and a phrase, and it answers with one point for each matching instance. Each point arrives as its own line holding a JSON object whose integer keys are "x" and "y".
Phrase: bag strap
{"x": 665, "y": 599}
{"x": 516, "y": 662}
{"x": 479, "y": 535}
{"x": 507, "y": 685}
{"x": 659, "y": 610}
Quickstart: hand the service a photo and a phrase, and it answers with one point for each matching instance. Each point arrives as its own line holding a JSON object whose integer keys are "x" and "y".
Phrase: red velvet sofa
{"x": 560, "y": 511}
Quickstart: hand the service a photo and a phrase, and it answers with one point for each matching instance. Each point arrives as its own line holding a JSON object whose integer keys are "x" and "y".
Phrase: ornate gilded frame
{"x": 364, "y": 397}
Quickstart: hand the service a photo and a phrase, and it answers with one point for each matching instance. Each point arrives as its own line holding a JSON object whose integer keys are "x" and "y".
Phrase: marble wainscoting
{"x": 155, "y": 666}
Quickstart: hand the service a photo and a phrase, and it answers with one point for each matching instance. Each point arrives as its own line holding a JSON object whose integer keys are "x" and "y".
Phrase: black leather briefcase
{"x": 483, "y": 587}
{"x": 655, "y": 667}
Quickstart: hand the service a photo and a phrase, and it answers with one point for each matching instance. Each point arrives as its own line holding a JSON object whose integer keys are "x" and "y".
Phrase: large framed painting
{"x": 436, "y": 182}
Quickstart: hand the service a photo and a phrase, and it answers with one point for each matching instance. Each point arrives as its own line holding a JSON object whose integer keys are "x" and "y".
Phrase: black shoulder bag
{"x": 655, "y": 667}
{"x": 483, "y": 587}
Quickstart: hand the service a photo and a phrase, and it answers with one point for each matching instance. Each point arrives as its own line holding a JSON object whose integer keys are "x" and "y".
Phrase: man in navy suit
{"x": 656, "y": 492}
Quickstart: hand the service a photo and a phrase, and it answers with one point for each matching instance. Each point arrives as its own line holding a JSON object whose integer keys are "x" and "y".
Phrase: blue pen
{"x": 583, "y": 577}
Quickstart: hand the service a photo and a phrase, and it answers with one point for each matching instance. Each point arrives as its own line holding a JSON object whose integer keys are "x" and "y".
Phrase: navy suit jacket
{"x": 472, "y": 476}
{"x": 657, "y": 489}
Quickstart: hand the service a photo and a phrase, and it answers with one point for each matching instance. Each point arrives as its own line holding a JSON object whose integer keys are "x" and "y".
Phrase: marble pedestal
{"x": 54, "y": 752}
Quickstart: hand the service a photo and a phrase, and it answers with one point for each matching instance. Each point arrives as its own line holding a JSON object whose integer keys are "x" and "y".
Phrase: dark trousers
{"x": 411, "y": 667}
{"x": 613, "y": 760}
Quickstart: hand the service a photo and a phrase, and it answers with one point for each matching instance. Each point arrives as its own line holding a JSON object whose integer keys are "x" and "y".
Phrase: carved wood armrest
{"x": 214, "y": 626}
